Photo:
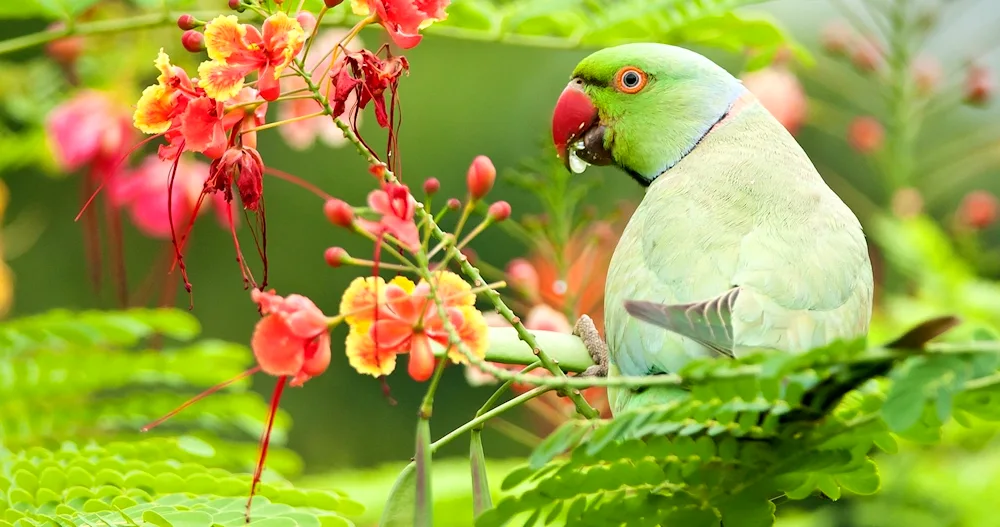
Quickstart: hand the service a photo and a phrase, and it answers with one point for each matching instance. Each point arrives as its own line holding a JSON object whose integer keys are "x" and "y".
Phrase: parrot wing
{"x": 708, "y": 323}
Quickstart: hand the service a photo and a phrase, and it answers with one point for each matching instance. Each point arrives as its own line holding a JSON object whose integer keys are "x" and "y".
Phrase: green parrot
{"x": 738, "y": 243}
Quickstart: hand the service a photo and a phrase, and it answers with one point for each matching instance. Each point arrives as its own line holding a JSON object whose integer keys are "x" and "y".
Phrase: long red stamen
{"x": 260, "y": 242}
{"x": 244, "y": 270}
{"x": 297, "y": 181}
{"x": 199, "y": 397}
{"x": 115, "y": 167}
{"x": 265, "y": 440}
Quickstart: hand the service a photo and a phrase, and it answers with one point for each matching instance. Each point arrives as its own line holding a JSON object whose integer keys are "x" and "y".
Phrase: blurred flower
{"x": 396, "y": 206}
{"x": 907, "y": 203}
{"x": 64, "y": 50}
{"x": 865, "y": 134}
{"x": 143, "y": 193}
{"x": 779, "y": 90}
{"x": 238, "y": 49}
{"x": 926, "y": 74}
{"x": 388, "y": 319}
{"x": 978, "y": 209}
{"x": 300, "y": 135}
{"x": 837, "y": 37}
{"x": 978, "y": 85}
{"x": 90, "y": 128}
{"x": 403, "y": 19}
{"x": 867, "y": 55}
{"x": 292, "y": 338}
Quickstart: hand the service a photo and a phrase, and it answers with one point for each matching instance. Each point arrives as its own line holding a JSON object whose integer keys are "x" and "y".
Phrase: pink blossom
{"x": 397, "y": 207}
{"x": 292, "y": 338}
{"x": 142, "y": 192}
{"x": 780, "y": 92}
{"x": 91, "y": 127}
{"x": 301, "y": 135}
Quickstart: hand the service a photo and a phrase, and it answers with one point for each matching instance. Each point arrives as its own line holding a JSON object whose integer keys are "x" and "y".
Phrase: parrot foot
{"x": 598, "y": 350}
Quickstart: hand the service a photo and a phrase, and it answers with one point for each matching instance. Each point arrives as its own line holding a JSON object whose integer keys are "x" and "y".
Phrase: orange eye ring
{"x": 630, "y": 80}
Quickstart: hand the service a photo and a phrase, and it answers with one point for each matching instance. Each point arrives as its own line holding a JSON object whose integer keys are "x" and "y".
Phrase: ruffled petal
{"x": 452, "y": 289}
{"x": 364, "y": 356}
{"x": 220, "y": 80}
{"x": 201, "y": 126}
{"x": 283, "y": 37}
{"x": 154, "y": 111}
{"x": 474, "y": 333}
{"x": 224, "y": 36}
{"x": 359, "y": 299}
{"x": 277, "y": 350}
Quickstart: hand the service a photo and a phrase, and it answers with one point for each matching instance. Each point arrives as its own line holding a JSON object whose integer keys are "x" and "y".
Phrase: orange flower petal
{"x": 420, "y": 365}
{"x": 452, "y": 289}
{"x": 282, "y": 36}
{"x": 153, "y": 112}
{"x": 220, "y": 80}
{"x": 224, "y": 36}
{"x": 364, "y": 356}
{"x": 359, "y": 300}
{"x": 474, "y": 333}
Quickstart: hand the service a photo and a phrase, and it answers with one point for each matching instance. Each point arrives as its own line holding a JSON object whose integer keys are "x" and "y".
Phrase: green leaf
{"x": 481, "y": 499}
{"x": 863, "y": 481}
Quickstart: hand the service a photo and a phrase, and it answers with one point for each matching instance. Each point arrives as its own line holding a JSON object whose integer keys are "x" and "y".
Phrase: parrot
{"x": 737, "y": 244}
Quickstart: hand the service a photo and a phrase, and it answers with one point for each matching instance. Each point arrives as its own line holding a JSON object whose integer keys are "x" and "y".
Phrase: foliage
{"x": 748, "y": 431}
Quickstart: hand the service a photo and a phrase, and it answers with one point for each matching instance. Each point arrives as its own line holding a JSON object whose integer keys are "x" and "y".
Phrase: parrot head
{"x": 640, "y": 107}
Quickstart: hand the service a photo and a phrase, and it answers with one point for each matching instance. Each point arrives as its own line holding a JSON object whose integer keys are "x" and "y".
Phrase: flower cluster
{"x": 400, "y": 317}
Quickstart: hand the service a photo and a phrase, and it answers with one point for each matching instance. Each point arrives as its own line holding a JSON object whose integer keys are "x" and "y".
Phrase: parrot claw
{"x": 587, "y": 331}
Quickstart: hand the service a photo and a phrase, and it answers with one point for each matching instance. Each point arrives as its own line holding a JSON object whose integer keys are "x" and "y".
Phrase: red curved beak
{"x": 574, "y": 114}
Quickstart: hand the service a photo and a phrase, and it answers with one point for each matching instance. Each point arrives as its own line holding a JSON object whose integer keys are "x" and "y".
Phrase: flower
{"x": 388, "y": 319}
{"x": 372, "y": 77}
{"x": 865, "y": 134}
{"x": 300, "y": 135}
{"x": 396, "y": 206}
{"x": 292, "y": 338}
{"x": 978, "y": 209}
{"x": 403, "y": 19}
{"x": 243, "y": 167}
{"x": 978, "y": 87}
{"x": 91, "y": 127}
{"x": 780, "y": 92}
{"x": 143, "y": 193}
{"x": 239, "y": 49}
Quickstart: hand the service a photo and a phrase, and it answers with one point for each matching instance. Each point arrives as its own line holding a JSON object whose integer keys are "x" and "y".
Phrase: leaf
{"x": 399, "y": 508}
{"x": 481, "y": 499}
{"x": 863, "y": 481}
{"x": 423, "y": 502}
{"x": 566, "y": 436}
{"x": 748, "y": 510}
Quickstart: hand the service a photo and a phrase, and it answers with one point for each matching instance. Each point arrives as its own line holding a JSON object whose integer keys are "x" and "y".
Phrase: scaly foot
{"x": 598, "y": 350}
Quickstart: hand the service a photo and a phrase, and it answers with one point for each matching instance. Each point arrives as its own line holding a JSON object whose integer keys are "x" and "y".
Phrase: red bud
{"x": 339, "y": 213}
{"x": 978, "y": 209}
{"x": 978, "y": 85}
{"x": 431, "y": 186}
{"x": 193, "y": 41}
{"x": 480, "y": 177}
{"x": 332, "y": 3}
{"x": 865, "y": 134}
{"x": 499, "y": 211}
{"x": 454, "y": 204}
{"x": 307, "y": 20}
{"x": 335, "y": 256}
{"x": 64, "y": 50}
{"x": 187, "y": 21}
{"x": 237, "y": 5}
{"x": 523, "y": 276}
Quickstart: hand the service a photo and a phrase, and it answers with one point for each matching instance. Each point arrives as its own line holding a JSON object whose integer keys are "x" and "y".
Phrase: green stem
{"x": 427, "y": 406}
{"x": 479, "y": 420}
{"x": 901, "y": 132}
{"x": 507, "y": 347}
{"x": 502, "y": 389}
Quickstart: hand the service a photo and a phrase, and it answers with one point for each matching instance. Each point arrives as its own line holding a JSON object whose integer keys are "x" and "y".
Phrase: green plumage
{"x": 738, "y": 243}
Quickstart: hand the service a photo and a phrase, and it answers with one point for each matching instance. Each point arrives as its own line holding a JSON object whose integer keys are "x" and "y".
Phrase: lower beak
{"x": 575, "y": 120}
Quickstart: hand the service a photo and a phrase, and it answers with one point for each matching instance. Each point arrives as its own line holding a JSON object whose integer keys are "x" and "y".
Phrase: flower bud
{"x": 499, "y": 211}
{"x": 64, "y": 50}
{"x": 836, "y": 37}
{"x": 978, "y": 209}
{"x": 187, "y": 21}
{"x": 867, "y": 55}
{"x": 978, "y": 85}
{"x": 332, "y": 3}
{"x": 454, "y": 204}
{"x": 237, "y": 5}
{"x": 480, "y": 177}
{"x": 431, "y": 186}
{"x": 865, "y": 134}
{"x": 335, "y": 256}
{"x": 307, "y": 20}
{"x": 193, "y": 41}
{"x": 339, "y": 213}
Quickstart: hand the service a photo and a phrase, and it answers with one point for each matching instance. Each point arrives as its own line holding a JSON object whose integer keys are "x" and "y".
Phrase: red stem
{"x": 266, "y": 440}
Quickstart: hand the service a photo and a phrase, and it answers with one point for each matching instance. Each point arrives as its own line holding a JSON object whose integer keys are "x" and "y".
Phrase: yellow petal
{"x": 474, "y": 334}
{"x": 452, "y": 289}
{"x": 360, "y": 7}
{"x": 224, "y": 35}
{"x": 364, "y": 356}
{"x": 287, "y": 35}
{"x": 220, "y": 80}
{"x": 359, "y": 300}
{"x": 404, "y": 283}
{"x": 152, "y": 113}
{"x": 163, "y": 64}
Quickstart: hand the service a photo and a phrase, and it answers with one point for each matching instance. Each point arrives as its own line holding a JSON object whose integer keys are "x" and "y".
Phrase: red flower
{"x": 978, "y": 209}
{"x": 292, "y": 338}
{"x": 865, "y": 134}
{"x": 372, "y": 77}
{"x": 239, "y": 49}
{"x": 89, "y": 128}
{"x": 403, "y": 19}
{"x": 397, "y": 206}
{"x": 243, "y": 167}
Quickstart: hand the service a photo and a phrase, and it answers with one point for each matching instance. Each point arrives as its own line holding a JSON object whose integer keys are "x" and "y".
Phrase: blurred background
{"x": 892, "y": 99}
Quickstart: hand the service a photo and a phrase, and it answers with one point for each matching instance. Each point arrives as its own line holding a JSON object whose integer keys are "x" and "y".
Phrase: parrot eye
{"x": 630, "y": 79}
